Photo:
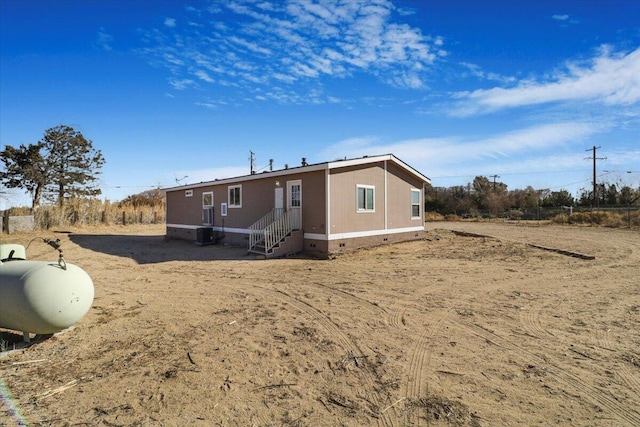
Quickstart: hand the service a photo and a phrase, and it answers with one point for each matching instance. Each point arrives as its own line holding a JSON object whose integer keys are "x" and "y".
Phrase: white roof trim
{"x": 336, "y": 164}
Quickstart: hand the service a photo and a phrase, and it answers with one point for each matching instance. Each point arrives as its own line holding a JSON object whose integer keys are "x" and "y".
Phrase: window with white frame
{"x": 207, "y": 208}
{"x": 235, "y": 196}
{"x": 415, "y": 203}
{"x": 223, "y": 209}
{"x": 365, "y": 198}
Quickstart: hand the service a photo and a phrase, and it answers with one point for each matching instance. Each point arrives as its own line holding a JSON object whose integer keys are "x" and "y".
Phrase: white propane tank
{"x": 42, "y": 297}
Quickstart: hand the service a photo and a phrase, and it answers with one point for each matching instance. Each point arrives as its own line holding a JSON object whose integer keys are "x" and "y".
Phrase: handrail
{"x": 256, "y": 230}
{"x": 267, "y": 219}
{"x": 272, "y": 228}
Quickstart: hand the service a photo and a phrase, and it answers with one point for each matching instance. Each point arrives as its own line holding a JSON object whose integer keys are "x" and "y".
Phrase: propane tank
{"x": 42, "y": 297}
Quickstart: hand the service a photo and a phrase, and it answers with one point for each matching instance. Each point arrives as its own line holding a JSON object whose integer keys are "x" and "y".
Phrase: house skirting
{"x": 319, "y": 245}
{"x": 323, "y": 245}
{"x": 232, "y": 236}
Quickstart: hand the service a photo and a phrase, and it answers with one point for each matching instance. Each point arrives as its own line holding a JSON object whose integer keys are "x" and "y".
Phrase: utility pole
{"x": 252, "y": 160}
{"x": 494, "y": 182}
{"x": 594, "y": 148}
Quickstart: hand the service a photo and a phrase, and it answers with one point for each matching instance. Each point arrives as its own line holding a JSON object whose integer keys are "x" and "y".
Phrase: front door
{"x": 294, "y": 201}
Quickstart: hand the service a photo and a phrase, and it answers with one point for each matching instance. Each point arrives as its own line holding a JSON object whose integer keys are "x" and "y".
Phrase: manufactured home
{"x": 319, "y": 208}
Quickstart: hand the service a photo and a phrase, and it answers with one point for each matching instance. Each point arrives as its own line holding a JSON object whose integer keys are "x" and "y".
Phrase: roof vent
{"x": 304, "y": 161}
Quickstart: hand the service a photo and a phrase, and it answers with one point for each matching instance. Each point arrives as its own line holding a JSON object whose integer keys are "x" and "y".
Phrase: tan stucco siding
{"x": 344, "y": 213}
{"x": 313, "y": 201}
{"x": 257, "y": 199}
{"x": 182, "y": 209}
{"x": 399, "y": 186}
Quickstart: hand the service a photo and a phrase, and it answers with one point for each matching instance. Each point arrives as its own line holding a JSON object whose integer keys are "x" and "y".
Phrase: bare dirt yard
{"x": 476, "y": 325}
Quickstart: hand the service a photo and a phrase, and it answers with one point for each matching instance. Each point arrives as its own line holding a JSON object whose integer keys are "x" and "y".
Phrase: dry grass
{"x": 602, "y": 218}
{"x": 84, "y": 212}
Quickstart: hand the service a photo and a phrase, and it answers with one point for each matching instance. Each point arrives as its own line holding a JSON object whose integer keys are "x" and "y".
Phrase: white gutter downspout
{"x": 386, "y": 206}
{"x": 328, "y": 202}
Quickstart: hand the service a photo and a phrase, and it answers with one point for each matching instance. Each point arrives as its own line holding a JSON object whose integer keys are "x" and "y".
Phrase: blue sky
{"x": 459, "y": 88}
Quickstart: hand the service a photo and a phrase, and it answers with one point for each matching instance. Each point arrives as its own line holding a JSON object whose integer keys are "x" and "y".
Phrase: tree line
{"x": 486, "y": 195}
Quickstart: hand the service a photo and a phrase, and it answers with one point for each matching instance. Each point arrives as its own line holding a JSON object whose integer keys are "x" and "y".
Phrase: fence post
{"x": 141, "y": 214}
{"x": 124, "y": 218}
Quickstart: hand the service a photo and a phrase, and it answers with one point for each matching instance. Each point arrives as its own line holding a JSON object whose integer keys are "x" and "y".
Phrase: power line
{"x": 494, "y": 181}
{"x": 510, "y": 174}
{"x": 594, "y": 158}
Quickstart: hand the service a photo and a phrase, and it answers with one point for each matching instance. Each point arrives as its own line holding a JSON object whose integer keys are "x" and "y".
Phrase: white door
{"x": 279, "y": 202}
{"x": 294, "y": 201}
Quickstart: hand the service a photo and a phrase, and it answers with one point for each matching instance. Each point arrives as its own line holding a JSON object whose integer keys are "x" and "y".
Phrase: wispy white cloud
{"x": 564, "y": 19}
{"x": 202, "y": 75}
{"x": 609, "y": 78}
{"x": 104, "y": 40}
{"x": 297, "y": 42}
{"x": 444, "y": 155}
{"x": 474, "y": 70}
{"x": 181, "y": 84}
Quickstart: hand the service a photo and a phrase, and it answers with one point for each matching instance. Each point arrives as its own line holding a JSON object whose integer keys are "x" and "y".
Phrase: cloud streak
{"x": 612, "y": 79}
{"x": 458, "y": 149}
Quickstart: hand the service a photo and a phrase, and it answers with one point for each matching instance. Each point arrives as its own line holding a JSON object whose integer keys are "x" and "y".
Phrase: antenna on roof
{"x": 252, "y": 160}
{"x": 271, "y": 164}
{"x": 180, "y": 179}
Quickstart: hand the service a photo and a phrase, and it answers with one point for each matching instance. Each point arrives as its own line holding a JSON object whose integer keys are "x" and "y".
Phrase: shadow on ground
{"x": 156, "y": 249}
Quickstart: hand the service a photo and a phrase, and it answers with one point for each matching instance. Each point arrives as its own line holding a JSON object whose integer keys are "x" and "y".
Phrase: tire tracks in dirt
{"x": 351, "y": 348}
{"x": 396, "y": 317}
{"x": 373, "y": 307}
{"x": 626, "y": 376}
{"x": 591, "y": 393}
{"x": 421, "y": 359}
{"x": 629, "y": 378}
{"x": 530, "y": 320}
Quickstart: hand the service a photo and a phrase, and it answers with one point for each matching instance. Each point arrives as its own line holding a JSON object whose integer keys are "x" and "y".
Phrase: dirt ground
{"x": 477, "y": 325}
